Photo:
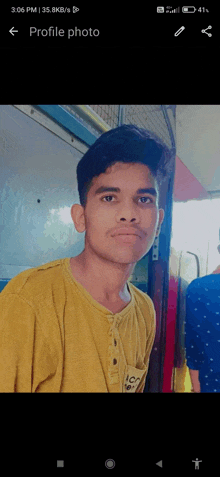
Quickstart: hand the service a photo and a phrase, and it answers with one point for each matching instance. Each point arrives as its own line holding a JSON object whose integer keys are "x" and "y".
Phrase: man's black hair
{"x": 127, "y": 143}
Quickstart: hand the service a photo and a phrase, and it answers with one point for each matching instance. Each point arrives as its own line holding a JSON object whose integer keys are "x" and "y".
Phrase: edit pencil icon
{"x": 179, "y": 31}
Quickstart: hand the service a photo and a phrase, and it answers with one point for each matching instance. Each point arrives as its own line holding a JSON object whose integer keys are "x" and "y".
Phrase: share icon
{"x": 208, "y": 28}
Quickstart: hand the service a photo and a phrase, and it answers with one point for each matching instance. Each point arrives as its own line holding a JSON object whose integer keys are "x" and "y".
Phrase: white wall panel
{"x": 38, "y": 188}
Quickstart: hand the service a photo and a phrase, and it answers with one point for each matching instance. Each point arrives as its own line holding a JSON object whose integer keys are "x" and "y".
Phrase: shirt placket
{"x": 113, "y": 350}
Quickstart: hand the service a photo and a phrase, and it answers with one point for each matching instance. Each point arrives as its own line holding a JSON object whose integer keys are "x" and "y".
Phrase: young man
{"x": 76, "y": 325}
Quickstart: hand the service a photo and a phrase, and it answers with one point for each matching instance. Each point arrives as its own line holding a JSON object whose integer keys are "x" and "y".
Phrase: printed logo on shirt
{"x": 132, "y": 379}
{"x": 131, "y": 384}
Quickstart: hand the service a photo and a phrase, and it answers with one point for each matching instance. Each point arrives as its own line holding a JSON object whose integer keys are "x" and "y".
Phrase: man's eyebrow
{"x": 149, "y": 190}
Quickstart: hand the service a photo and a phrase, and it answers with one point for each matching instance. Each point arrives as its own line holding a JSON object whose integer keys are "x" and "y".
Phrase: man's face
{"x": 108, "y": 212}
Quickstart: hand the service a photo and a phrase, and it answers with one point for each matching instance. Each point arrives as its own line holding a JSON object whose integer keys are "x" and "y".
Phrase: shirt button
{"x": 115, "y": 342}
{"x": 115, "y": 362}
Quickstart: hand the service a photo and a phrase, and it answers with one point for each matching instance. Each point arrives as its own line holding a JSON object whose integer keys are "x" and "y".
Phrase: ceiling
{"x": 198, "y": 142}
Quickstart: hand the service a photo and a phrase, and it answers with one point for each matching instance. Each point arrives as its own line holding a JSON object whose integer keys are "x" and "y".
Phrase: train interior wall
{"x": 38, "y": 187}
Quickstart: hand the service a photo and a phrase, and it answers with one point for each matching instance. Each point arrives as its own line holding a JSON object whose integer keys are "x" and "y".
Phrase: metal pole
{"x": 166, "y": 117}
{"x": 121, "y": 114}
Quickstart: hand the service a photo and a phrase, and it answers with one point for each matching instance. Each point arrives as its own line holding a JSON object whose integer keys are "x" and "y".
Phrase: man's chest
{"x": 114, "y": 307}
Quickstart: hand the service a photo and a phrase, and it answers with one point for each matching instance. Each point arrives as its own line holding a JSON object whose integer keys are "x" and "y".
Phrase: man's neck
{"x": 94, "y": 281}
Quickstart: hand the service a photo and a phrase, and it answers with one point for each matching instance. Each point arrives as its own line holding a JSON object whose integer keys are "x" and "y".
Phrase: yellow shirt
{"x": 54, "y": 337}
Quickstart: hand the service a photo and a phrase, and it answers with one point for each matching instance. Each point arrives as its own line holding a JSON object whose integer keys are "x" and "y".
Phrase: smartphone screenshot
{"x": 70, "y": 75}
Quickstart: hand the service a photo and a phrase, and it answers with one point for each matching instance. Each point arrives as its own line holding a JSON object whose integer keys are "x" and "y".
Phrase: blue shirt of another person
{"x": 202, "y": 330}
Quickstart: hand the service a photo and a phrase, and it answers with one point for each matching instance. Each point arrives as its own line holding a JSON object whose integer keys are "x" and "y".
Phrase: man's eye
{"x": 107, "y": 197}
{"x": 148, "y": 198}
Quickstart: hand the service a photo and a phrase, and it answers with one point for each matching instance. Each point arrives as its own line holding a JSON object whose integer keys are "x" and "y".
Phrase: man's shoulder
{"x": 32, "y": 279}
{"x": 201, "y": 283}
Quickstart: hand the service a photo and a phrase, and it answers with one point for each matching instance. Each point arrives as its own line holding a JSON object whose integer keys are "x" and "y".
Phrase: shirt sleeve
{"x": 193, "y": 343}
{"x": 25, "y": 356}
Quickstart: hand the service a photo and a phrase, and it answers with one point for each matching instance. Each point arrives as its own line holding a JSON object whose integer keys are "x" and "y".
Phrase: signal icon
{"x": 75, "y": 9}
{"x": 175, "y": 10}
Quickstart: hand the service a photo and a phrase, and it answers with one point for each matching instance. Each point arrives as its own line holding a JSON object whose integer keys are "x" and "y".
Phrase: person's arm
{"x": 193, "y": 345}
{"x": 194, "y": 375}
{"x": 25, "y": 355}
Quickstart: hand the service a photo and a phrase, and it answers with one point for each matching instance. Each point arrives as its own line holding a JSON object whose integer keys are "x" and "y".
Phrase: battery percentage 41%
{"x": 194, "y": 9}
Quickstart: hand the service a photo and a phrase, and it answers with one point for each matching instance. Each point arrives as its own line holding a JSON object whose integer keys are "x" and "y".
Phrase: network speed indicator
{"x": 59, "y": 9}
{"x": 56, "y": 9}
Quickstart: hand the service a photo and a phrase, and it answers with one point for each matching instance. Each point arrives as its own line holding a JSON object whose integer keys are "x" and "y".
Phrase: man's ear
{"x": 78, "y": 217}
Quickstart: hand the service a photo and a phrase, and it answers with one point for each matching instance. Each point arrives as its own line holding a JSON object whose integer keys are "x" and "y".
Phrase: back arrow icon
{"x": 12, "y": 31}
